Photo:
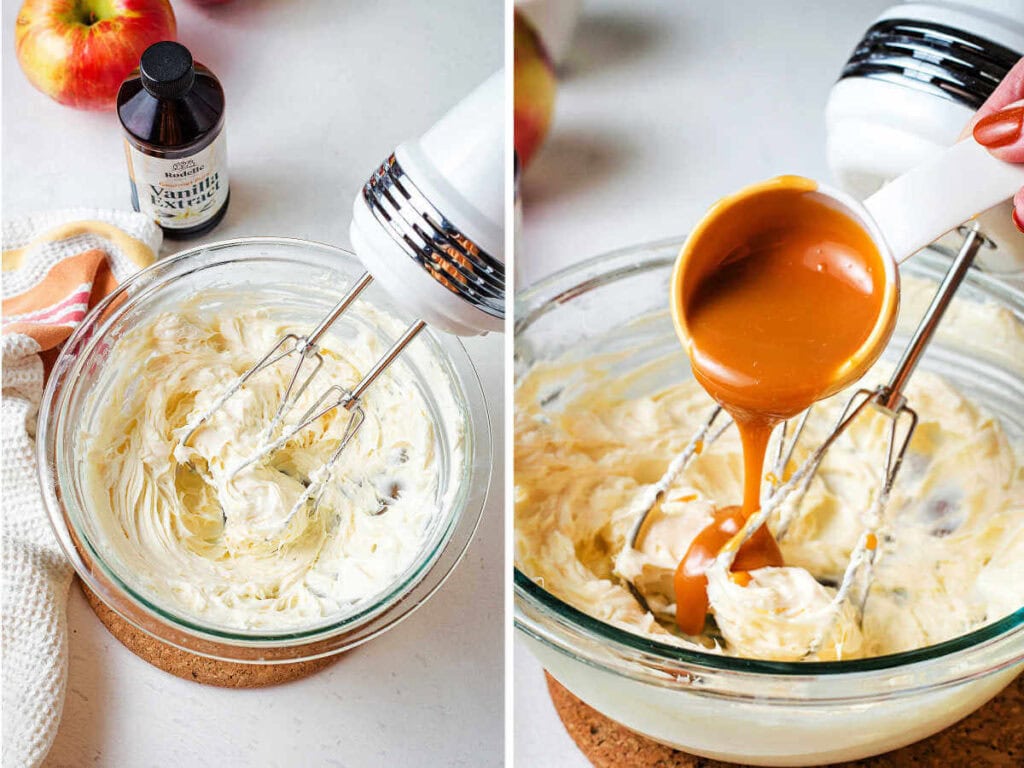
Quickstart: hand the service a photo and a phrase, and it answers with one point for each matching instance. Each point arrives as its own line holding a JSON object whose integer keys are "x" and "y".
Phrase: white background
{"x": 663, "y": 107}
{"x": 318, "y": 93}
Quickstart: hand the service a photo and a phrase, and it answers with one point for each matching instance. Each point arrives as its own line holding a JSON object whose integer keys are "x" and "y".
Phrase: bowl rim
{"x": 413, "y": 587}
{"x": 529, "y": 597}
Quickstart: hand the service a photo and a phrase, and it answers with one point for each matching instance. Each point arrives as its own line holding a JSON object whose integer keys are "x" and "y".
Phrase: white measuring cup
{"x": 901, "y": 218}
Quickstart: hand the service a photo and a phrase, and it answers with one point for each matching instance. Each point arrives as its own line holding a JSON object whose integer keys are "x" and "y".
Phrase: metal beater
{"x": 887, "y": 399}
{"x": 428, "y": 225}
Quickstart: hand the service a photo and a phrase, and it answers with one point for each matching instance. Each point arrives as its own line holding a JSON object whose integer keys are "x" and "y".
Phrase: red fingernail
{"x": 1017, "y": 222}
{"x": 1000, "y": 128}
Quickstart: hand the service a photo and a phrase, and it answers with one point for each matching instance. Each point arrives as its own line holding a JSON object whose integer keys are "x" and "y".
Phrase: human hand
{"x": 999, "y": 126}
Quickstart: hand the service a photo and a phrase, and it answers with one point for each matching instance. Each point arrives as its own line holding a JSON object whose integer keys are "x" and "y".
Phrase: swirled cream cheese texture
{"x": 222, "y": 549}
{"x": 951, "y": 555}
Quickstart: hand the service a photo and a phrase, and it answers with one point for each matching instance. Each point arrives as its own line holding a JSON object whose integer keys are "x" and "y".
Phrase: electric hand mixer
{"x": 428, "y": 226}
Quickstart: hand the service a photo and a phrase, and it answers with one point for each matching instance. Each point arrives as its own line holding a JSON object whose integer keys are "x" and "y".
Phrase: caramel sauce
{"x": 773, "y": 323}
{"x": 690, "y": 582}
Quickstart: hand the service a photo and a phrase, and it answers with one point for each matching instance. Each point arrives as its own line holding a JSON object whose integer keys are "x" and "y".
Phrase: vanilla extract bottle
{"x": 172, "y": 112}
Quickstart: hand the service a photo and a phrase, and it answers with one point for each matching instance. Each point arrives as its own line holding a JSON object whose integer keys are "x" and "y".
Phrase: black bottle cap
{"x": 167, "y": 70}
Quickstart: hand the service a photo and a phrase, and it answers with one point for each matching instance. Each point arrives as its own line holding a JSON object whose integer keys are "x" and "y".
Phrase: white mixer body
{"x": 429, "y": 225}
{"x": 907, "y": 100}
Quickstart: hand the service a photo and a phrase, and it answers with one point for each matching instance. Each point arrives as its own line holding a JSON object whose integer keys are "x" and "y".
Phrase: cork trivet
{"x": 200, "y": 669}
{"x": 992, "y": 736}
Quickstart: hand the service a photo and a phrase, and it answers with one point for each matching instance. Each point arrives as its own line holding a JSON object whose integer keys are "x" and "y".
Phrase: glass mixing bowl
{"x": 744, "y": 710}
{"x": 300, "y": 281}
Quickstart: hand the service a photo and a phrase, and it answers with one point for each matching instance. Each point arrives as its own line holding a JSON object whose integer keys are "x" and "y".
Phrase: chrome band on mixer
{"x": 448, "y": 255}
{"x": 948, "y": 62}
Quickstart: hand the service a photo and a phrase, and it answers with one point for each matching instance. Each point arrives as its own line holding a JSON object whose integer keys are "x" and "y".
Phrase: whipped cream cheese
{"x": 951, "y": 553}
{"x": 222, "y": 548}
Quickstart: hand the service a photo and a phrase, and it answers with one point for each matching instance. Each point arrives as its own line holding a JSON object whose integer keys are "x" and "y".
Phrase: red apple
{"x": 79, "y": 51}
{"x": 534, "y": 78}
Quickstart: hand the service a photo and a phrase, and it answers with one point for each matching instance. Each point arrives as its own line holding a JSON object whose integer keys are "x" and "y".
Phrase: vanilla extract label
{"x": 183, "y": 192}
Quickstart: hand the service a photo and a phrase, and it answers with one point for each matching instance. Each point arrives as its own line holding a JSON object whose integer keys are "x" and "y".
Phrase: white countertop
{"x": 318, "y": 93}
{"x": 664, "y": 107}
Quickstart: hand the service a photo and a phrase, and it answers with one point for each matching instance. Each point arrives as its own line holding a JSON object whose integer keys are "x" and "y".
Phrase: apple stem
{"x": 90, "y": 16}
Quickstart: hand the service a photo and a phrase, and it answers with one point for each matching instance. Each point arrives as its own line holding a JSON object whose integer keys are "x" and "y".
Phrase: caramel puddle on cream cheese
{"x": 796, "y": 292}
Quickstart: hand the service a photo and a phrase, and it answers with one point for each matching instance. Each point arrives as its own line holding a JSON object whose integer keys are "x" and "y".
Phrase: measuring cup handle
{"x": 915, "y": 209}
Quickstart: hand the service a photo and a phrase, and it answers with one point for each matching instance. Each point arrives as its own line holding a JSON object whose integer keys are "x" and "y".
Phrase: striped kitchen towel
{"x": 56, "y": 266}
